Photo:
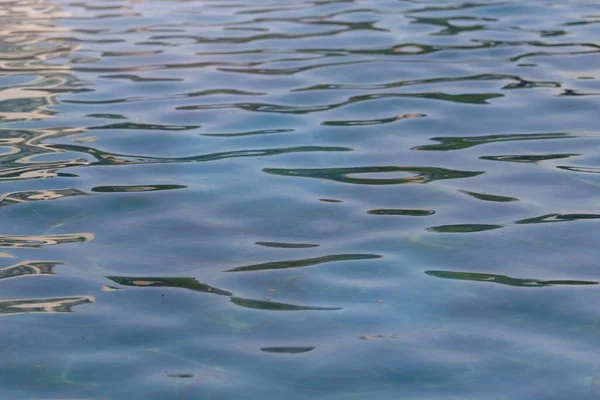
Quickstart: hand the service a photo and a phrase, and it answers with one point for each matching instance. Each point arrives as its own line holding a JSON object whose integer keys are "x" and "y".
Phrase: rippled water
{"x": 326, "y": 199}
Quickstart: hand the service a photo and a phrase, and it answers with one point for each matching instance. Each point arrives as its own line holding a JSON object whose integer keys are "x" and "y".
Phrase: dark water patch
{"x": 287, "y": 350}
{"x": 106, "y": 158}
{"x": 148, "y": 127}
{"x": 29, "y": 268}
{"x": 571, "y": 92}
{"x": 331, "y": 201}
{"x": 250, "y": 133}
{"x": 587, "y": 170}
{"x": 406, "y": 212}
{"x": 420, "y": 174}
{"x": 37, "y": 195}
{"x": 39, "y": 241}
{"x": 130, "y": 53}
{"x": 523, "y": 84}
{"x": 489, "y": 197}
{"x": 547, "y": 33}
{"x": 519, "y": 82}
{"x": 464, "y": 228}
{"x": 360, "y": 122}
{"x": 528, "y": 158}
{"x": 290, "y": 70}
{"x": 372, "y": 121}
{"x": 108, "y": 116}
{"x": 180, "y": 375}
{"x": 193, "y": 285}
{"x": 137, "y": 78}
{"x": 558, "y": 218}
{"x": 133, "y": 189}
{"x": 282, "y": 245}
{"x": 181, "y": 283}
{"x": 267, "y": 305}
{"x": 459, "y": 143}
{"x": 309, "y": 262}
{"x": 173, "y": 97}
{"x": 43, "y": 306}
{"x": 505, "y": 280}
{"x": 549, "y": 54}
{"x": 474, "y": 98}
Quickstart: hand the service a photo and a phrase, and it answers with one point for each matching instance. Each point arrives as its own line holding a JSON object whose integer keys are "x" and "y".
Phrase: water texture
{"x": 299, "y": 199}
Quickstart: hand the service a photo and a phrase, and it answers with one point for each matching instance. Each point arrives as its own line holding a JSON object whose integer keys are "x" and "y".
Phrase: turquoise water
{"x": 277, "y": 199}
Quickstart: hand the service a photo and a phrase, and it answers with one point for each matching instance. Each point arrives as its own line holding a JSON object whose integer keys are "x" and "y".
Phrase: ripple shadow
{"x": 54, "y": 305}
{"x": 308, "y": 262}
{"x": 193, "y": 285}
{"x": 505, "y": 280}
{"x": 287, "y": 349}
{"x": 420, "y": 174}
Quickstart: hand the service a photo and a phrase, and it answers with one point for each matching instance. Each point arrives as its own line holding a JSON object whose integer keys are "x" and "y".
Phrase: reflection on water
{"x": 193, "y": 284}
{"x": 421, "y": 174}
{"x": 273, "y": 306}
{"x": 183, "y": 283}
{"x": 28, "y": 268}
{"x": 287, "y": 245}
{"x": 138, "y": 188}
{"x": 464, "y": 228}
{"x": 529, "y": 158}
{"x": 489, "y": 197}
{"x": 459, "y": 143}
{"x": 441, "y": 136}
{"x": 38, "y": 241}
{"x": 502, "y": 279}
{"x": 104, "y": 158}
{"x": 304, "y": 263}
{"x": 25, "y": 47}
{"x": 37, "y": 195}
{"x": 412, "y": 213}
{"x": 51, "y": 305}
{"x": 558, "y": 218}
{"x": 287, "y": 350}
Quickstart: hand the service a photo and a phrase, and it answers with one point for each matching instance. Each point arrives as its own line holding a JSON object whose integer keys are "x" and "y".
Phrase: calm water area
{"x": 299, "y": 199}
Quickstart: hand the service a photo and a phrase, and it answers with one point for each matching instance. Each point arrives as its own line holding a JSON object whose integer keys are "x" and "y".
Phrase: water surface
{"x": 326, "y": 199}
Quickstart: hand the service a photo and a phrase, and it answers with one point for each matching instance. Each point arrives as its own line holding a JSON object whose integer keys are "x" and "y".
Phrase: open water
{"x": 299, "y": 199}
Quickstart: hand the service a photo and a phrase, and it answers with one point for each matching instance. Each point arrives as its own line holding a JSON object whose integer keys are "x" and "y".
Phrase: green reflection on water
{"x": 489, "y": 197}
{"x": 528, "y": 158}
{"x": 459, "y": 143}
{"x": 464, "y": 228}
{"x": 136, "y": 188}
{"x": 46, "y": 305}
{"x": 194, "y": 285}
{"x": 273, "y": 306}
{"x": 287, "y": 350}
{"x": 182, "y": 283}
{"x": 504, "y": 280}
{"x": 421, "y": 174}
{"x": 558, "y": 218}
{"x": 282, "y": 245}
{"x": 412, "y": 213}
{"x": 304, "y": 263}
{"x": 106, "y": 158}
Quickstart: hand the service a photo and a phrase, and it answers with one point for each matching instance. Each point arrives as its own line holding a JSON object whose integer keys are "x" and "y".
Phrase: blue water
{"x": 308, "y": 199}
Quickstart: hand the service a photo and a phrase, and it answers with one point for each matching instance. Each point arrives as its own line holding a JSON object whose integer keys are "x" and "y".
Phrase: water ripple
{"x": 504, "y": 280}
{"x": 150, "y": 146}
{"x": 420, "y": 174}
